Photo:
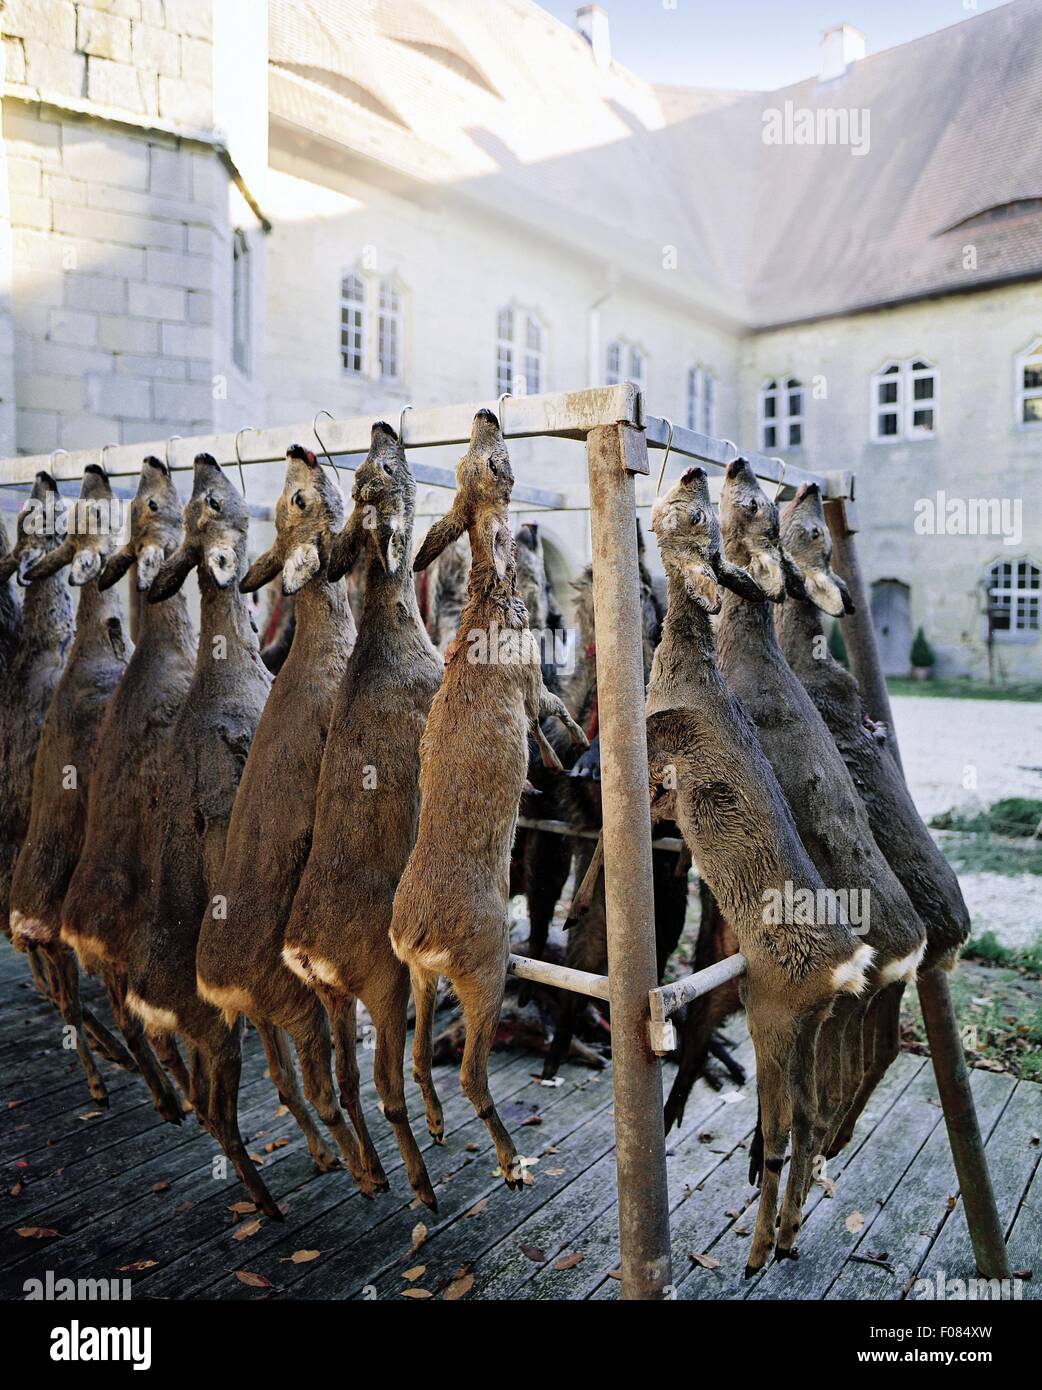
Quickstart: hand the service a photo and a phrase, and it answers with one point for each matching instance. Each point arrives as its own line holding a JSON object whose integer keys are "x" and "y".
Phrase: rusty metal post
{"x": 942, "y": 1032}
{"x": 614, "y": 454}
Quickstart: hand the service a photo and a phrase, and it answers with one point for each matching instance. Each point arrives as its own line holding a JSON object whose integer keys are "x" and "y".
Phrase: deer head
{"x": 531, "y": 575}
{"x": 484, "y": 482}
{"x": 35, "y": 537}
{"x": 155, "y": 528}
{"x": 309, "y": 512}
{"x": 384, "y": 495}
{"x": 751, "y": 535}
{"x": 688, "y": 537}
{"x": 215, "y": 525}
{"x": 805, "y": 535}
{"x": 90, "y": 534}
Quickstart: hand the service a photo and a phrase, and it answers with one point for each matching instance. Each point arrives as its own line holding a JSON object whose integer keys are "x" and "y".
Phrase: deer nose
{"x": 735, "y": 467}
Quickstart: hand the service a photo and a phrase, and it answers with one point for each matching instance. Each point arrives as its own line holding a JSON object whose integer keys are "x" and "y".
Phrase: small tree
{"x": 922, "y": 653}
{"x": 837, "y": 646}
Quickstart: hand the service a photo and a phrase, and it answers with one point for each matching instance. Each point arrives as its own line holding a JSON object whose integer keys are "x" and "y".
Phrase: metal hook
{"x": 734, "y": 450}
{"x": 321, "y": 445}
{"x": 166, "y": 451}
{"x": 238, "y": 457}
{"x": 499, "y": 406}
{"x": 101, "y": 457}
{"x": 781, "y": 480}
{"x": 665, "y": 456}
{"x": 401, "y": 424}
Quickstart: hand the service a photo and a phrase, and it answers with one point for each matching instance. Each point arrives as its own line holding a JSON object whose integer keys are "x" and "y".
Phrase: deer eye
{"x": 697, "y": 516}
{"x": 153, "y": 505}
{"x": 492, "y": 468}
{"x": 214, "y": 503}
{"x": 815, "y": 533}
{"x": 387, "y": 469}
{"x": 300, "y": 501}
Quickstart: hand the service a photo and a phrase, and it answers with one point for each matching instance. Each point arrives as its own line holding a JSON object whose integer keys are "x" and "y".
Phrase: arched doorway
{"x": 892, "y": 616}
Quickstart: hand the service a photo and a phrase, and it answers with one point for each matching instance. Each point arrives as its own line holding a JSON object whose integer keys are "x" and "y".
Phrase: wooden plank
{"x": 913, "y": 1213}
{"x": 1013, "y": 1150}
{"x": 1025, "y": 1240}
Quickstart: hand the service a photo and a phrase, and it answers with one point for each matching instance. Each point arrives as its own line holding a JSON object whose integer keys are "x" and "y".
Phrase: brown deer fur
{"x": 450, "y": 913}
{"x": 859, "y": 1043}
{"x": 108, "y": 897}
{"x": 337, "y": 939}
{"x": 710, "y": 775}
{"x": 239, "y": 965}
{"x": 66, "y": 751}
{"x": 207, "y": 751}
{"x": 928, "y": 878}
{"x": 10, "y": 606}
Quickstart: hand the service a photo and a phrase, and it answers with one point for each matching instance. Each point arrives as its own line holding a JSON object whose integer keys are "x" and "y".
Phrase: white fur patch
{"x": 90, "y": 949}
{"x": 302, "y": 564}
{"x": 310, "y": 968}
{"x": 849, "y": 977}
{"x": 823, "y": 592}
{"x": 155, "y": 1020}
{"x": 767, "y": 572}
{"x": 231, "y": 1000}
{"x": 220, "y": 561}
{"x": 86, "y": 565}
{"x": 29, "y": 929}
{"x": 149, "y": 563}
{"x": 437, "y": 962}
{"x": 904, "y": 969}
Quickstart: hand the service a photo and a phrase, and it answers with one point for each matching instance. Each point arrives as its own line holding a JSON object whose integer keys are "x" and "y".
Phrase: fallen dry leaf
{"x": 534, "y": 1253}
{"x": 17, "y": 1190}
{"x": 258, "y": 1159}
{"x": 275, "y": 1144}
{"x": 136, "y": 1266}
{"x": 471, "y": 1148}
{"x": 160, "y": 1186}
{"x": 303, "y": 1257}
{"x": 417, "y": 1293}
{"x": 569, "y": 1261}
{"x": 951, "y": 1203}
{"x": 281, "y": 1110}
{"x": 91, "y": 1115}
{"x": 246, "y": 1229}
{"x": 255, "y": 1281}
{"x": 614, "y": 1273}
{"x": 706, "y": 1261}
{"x": 183, "y": 1207}
{"x": 413, "y": 1274}
{"x": 35, "y": 1232}
{"x": 14, "y": 1104}
{"x": 556, "y": 1172}
{"x": 532, "y": 1120}
{"x": 855, "y": 1222}
{"x": 458, "y": 1288}
{"x": 419, "y": 1235}
{"x": 477, "y": 1208}
{"x": 243, "y": 1208}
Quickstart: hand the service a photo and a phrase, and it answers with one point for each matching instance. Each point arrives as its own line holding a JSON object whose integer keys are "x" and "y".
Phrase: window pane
{"x": 922, "y": 420}
{"x": 770, "y": 407}
{"x": 534, "y": 335}
{"x": 533, "y": 374}
{"x": 795, "y": 403}
{"x": 918, "y": 366}
{"x": 888, "y": 423}
{"x": 614, "y": 363}
{"x": 922, "y": 388}
{"x": 770, "y": 437}
{"x": 504, "y": 369}
{"x": 636, "y": 366}
{"x": 505, "y": 323}
{"x": 887, "y": 391}
{"x": 1033, "y": 410}
{"x": 1027, "y": 575}
{"x": 795, "y": 436}
{"x": 1033, "y": 374}
{"x": 708, "y": 398}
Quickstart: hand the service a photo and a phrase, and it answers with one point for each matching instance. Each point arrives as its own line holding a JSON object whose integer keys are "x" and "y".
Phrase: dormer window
{"x": 781, "y": 414}
{"x": 904, "y": 401}
{"x": 1029, "y": 386}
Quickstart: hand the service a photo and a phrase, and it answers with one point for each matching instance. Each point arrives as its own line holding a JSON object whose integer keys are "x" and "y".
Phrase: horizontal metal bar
{"x": 707, "y": 449}
{"x": 560, "y": 976}
{"x": 567, "y": 415}
{"x": 561, "y": 827}
{"x": 667, "y": 999}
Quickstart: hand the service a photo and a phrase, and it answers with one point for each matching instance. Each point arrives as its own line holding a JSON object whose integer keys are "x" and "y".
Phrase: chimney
{"x": 592, "y": 22}
{"x": 840, "y": 46}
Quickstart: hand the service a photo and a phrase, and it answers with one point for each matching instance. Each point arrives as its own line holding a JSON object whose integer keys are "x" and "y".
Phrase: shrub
{"x": 922, "y": 652}
{"x": 837, "y": 646}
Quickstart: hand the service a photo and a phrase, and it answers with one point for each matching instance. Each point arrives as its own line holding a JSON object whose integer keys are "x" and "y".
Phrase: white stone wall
{"x": 979, "y": 450}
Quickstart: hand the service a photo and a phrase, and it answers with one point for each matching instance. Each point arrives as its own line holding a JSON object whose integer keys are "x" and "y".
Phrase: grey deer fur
{"x": 239, "y": 965}
{"x": 450, "y": 913}
{"x": 65, "y": 756}
{"x": 928, "y": 878}
{"x": 206, "y": 753}
{"x": 710, "y": 775}
{"x": 862, "y": 1038}
{"x": 337, "y": 939}
{"x": 10, "y": 606}
{"x": 109, "y": 895}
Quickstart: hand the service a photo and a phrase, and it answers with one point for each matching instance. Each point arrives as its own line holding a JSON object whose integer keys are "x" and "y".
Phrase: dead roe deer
{"x": 337, "y": 939}
{"x": 450, "y": 913}
{"x": 710, "y": 775}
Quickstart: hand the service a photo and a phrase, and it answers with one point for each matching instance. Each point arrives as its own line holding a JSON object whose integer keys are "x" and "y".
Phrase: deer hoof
{"x": 791, "y": 1254}
{"x": 750, "y": 1270}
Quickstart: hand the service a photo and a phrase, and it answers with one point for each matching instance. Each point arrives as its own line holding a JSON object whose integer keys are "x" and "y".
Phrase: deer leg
{"x": 566, "y": 1011}
{"x": 165, "y": 1045}
{"x": 284, "y": 1078}
{"x": 425, "y": 997}
{"x": 547, "y": 752}
{"x": 39, "y": 973}
{"x": 481, "y": 1005}
{"x": 65, "y": 972}
{"x": 773, "y": 1046}
{"x": 552, "y": 706}
{"x": 225, "y": 1066}
{"x": 343, "y": 1019}
{"x": 106, "y": 1042}
{"x": 163, "y": 1096}
{"x": 547, "y": 862}
{"x": 831, "y": 1068}
{"x": 802, "y": 1082}
{"x": 314, "y": 1050}
{"x": 388, "y": 1012}
{"x": 859, "y": 1045}
{"x": 886, "y": 1043}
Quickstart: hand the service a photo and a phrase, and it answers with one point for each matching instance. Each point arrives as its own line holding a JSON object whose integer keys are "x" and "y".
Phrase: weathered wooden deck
{"x": 120, "y": 1188}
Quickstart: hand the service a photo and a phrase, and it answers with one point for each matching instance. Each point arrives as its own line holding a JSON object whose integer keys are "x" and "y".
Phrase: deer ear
{"x": 844, "y": 593}
{"x": 823, "y": 590}
{"x": 52, "y": 562}
{"x": 172, "y": 575}
{"x": 739, "y": 581}
{"x": 442, "y": 533}
{"x": 794, "y": 585}
{"x": 346, "y": 546}
{"x": 116, "y": 567}
{"x": 262, "y": 571}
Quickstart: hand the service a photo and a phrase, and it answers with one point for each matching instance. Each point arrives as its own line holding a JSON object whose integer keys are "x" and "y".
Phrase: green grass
{"x": 986, "y": 854}
{"x": 997, "y": 839}
{"x": 964, "y": 689}
{"x": 999, "y": 1012}
{"x": 987, "y": 949}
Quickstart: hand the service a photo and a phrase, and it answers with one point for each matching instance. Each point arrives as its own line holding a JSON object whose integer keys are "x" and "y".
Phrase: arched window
{"x": 353, "y": 324}
{"x": 1014, "y": 595}
{"x": 1029, "y": 385}
{"x": 626, "y": 361}
{"x": 781, "y": 414}
{"x": 701, "y": 400}
{"x": 520, "y": 352}
{"x": 904, "y": 401}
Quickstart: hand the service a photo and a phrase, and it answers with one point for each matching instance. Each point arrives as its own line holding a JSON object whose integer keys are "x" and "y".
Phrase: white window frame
{"x": 521, "y": 350}
{"x": 357, "y": 327}
{"x": 242, "y": 306}
{"x": 904, "y": 374}
{"x": 626, "y": 360}
{"x": 1018, "y": 589}
{"x": 781, "y": 389}
{"x": 701, "y": 400}
{"x": 1021, "y": 393}
{"x": 373, "y": 318}
{"x": 390, "y": 328}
